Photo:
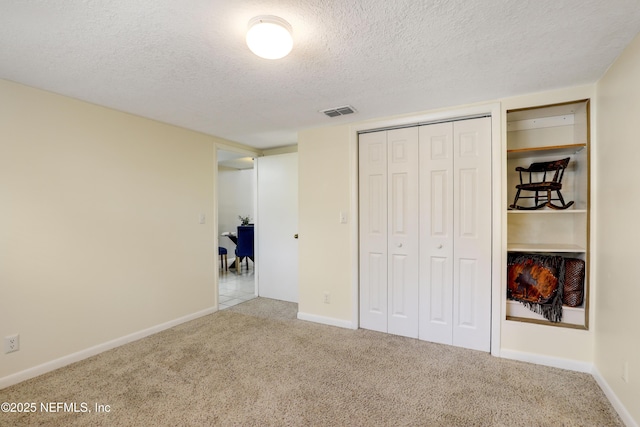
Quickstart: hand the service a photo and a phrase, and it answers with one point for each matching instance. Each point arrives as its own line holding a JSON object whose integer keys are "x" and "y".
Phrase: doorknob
{"x": 440, "y": 246}
{"x": 295, "y": 236}
{"x": 399, "y": 245}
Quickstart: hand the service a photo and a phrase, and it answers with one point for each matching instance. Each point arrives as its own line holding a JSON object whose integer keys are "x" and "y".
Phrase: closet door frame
{"x": 498, "y": 190}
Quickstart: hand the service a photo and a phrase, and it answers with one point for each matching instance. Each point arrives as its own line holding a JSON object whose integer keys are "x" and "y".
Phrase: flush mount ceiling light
{"x": 269, "y": 37}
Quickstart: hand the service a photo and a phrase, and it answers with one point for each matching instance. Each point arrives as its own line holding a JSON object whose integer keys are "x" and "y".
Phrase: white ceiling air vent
{"x": 339, "y": 111}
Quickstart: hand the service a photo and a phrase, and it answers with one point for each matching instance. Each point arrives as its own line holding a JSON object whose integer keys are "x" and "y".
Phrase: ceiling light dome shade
{"x": 269, "y": 37}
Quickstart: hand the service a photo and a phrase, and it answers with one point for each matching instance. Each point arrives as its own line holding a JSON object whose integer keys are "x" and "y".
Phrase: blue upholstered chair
{"x": 244, "y": 247}
{"x": 223, "y": 257}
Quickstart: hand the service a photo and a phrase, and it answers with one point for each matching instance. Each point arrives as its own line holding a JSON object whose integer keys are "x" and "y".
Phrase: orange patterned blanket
{"x": 537, "y": 281}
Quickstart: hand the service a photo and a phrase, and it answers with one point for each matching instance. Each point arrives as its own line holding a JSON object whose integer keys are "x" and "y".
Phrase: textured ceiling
{"x": 186, "y": 62}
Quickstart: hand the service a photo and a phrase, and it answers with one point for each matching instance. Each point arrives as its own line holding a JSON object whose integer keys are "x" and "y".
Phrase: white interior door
{"x": 455, "y": 233}
{"x": 425, "y": 232}
{"x": 436, "y": 233}
{"x": 373, "y": 230}
{"x": 277, "y": 224}
{"x": 472, "y": 234}
{"x": 389, "y": 231}
{"x": 403, "y": 237}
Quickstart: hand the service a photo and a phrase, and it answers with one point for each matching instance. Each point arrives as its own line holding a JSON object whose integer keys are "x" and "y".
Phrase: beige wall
{"x": 325, "y": 255}
{"x": 618, "y": 234}
{"x": 99, "y": 230}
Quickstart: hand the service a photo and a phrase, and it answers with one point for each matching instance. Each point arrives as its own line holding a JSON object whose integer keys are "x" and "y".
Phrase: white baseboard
{"x": 52, "y": 365}
{"x": 327, "y": 320}
{"x": 554, "y": 362}
{"x": 615, "y": 402}
{"x": 573, "y": 365}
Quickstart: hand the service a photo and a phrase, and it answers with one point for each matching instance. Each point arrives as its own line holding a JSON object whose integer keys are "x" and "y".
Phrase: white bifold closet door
{"x": 389, "y": 231}
{"x": 455, "y": 233}
{"x": 425, "y": 232}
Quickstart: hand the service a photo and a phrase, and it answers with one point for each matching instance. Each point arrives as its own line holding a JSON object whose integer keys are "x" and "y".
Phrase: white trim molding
{"x": 624, "y": 414}
{"x": 554, "y": 362}
{"x": 52, "y": 365}
{"x": 327, "y": 320}
{"x": 577, "y": 366}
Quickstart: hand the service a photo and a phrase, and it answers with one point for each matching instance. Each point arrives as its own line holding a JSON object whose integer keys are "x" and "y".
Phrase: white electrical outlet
{"x": 11, "y": 343}
{"x": 327, "y": 300}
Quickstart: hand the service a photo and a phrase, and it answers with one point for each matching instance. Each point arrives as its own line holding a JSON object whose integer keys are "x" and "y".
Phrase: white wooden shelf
{"x": 545, "y": 247}
{"x": 570, "y": 315}
{"x": 560, "y": 150}
{"x": 546, "y": 211}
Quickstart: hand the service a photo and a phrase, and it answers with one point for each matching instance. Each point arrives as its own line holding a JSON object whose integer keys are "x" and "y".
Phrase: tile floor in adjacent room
{"x": 236, "y": 288}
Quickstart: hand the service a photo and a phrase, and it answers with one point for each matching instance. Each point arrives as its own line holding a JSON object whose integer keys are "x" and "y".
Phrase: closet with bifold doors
{"x": 425, "y": 232}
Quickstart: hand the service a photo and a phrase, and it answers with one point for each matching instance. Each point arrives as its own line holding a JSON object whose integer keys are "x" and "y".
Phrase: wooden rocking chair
{"x": 543, "y": 186}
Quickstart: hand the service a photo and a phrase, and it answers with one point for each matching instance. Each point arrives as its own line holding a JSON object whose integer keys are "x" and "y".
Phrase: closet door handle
{"x": 399, "y": 245}
{"x": 439, "y": 246}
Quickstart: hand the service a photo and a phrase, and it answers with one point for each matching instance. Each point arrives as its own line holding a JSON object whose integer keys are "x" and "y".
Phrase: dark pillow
{"x": 537, "y": 281}
{"x": 573, "y": 293}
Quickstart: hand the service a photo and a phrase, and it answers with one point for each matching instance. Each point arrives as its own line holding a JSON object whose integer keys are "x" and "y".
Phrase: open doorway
{"x": 236, "y": 198}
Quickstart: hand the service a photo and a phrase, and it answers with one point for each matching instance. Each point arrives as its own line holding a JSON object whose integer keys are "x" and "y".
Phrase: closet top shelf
{"x": 546, "y": 211}
{"x": 543, "y": 151}
{"x": 544, "y": 247}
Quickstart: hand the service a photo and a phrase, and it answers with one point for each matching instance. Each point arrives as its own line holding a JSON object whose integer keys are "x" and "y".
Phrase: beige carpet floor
{"x": 256, "y": 365}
